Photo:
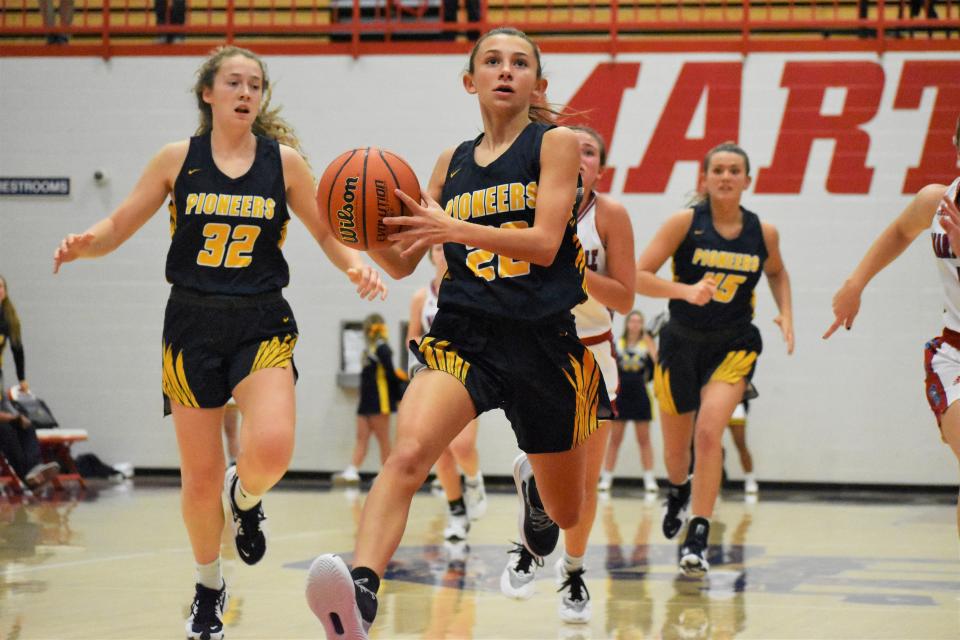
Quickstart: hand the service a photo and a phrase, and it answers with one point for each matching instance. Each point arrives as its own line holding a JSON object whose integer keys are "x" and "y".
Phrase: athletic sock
{"x": 210, "y": 575}
{"x": 244, "y": 499}
{"x": 572, "y": 563}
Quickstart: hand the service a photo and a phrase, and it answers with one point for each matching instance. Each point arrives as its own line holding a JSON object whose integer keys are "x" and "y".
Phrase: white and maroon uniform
{"x": 429, "y": 311}
{"x": 427, "y": 314}
{"x": 594, "y": 321}
{"x": 942, "y": 354}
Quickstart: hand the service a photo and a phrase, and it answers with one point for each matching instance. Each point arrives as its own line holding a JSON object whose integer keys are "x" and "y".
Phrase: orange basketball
{"x": 356, "y": 194}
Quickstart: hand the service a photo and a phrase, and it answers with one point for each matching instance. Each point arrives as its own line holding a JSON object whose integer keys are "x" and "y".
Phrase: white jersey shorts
{"x": 941, "y": 362}
{"x": 605, "y": 353}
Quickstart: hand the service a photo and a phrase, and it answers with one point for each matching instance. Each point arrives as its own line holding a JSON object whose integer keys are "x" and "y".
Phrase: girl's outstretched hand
{"x": 369, "y": 283}
{"x": 950, "y": 221}
{"x": 846, "y": 306}
{"x": 71, "y": 248}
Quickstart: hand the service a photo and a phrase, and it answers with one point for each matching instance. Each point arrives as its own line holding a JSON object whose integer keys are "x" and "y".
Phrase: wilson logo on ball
{"x": 345, "y": 218}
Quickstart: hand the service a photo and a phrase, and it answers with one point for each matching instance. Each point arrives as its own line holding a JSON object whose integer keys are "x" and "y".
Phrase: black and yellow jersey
{"x": 734, "y": 264}
{"x": 504, "y": 194}
{"x": 226, "y": 233}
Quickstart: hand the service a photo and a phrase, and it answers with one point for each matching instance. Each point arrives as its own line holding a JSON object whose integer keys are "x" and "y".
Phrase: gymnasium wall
{"x": 837, "y": 144}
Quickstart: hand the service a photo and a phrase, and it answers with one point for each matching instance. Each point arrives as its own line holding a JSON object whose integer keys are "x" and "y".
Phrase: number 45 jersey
{"x": 734, "y": 264}
{"x": 226, "y": 233}
{"x": 504, "y": 194}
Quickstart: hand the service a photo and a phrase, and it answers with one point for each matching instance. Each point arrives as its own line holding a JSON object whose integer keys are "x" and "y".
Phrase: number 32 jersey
{"x": 504, "y": 194}
{"x": 227, "y": 233}
{"x": 735, "y": 265}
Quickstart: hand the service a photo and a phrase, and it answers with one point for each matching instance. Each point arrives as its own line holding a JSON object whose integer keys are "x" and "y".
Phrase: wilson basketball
{"x": 356, "y": 194}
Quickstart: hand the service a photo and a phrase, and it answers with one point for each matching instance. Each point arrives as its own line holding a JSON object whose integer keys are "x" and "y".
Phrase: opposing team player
{"x": 934, "y": 208}
{"x": 606, "y": 235}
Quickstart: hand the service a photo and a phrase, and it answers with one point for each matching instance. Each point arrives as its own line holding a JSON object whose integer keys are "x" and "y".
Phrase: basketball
{"x": 356, "y": 193}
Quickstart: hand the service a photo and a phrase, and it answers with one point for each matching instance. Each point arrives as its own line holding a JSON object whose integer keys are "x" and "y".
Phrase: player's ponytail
{"x": 374, "y": 329}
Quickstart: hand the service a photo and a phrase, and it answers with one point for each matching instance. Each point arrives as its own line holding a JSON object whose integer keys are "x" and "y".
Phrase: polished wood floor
{"x": 115, "y": 563}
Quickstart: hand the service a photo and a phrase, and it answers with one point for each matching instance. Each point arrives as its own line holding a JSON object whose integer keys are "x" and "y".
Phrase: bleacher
{"x": 311, "y": 26}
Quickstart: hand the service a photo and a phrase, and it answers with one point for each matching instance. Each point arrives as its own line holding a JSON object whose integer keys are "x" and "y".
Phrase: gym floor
{"x": 114, "y": 562}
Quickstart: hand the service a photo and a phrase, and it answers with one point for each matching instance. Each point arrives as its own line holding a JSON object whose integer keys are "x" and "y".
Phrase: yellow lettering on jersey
{"x": 713, "y": 259}
{"x": 477, "y": 199}
{"x": 223, "y": 204}
{"x": 209, "y": 203}
{"x": 236, "y": 206}
{"x": 490, "y": 200}
{"x": 463, "y": 206}
{"x": 532, "y": 195}
{"x": 501, "y": 198}
{"x": 516, "y": 196}
{"x": 503, "y": 204}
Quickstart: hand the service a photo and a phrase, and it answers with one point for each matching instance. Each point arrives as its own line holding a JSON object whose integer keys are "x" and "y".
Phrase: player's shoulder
{"x": 609, "y": 206}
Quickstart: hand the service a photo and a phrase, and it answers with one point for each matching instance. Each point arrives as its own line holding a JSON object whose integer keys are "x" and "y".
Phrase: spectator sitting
{"x": 20, "y": 446}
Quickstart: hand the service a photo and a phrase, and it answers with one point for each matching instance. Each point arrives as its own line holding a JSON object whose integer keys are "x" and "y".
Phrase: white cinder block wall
{"x": 848, "y": 410}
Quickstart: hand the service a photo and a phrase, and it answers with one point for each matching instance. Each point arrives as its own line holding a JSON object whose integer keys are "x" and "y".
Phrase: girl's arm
{"x": 663, "y": 245}
{"x": 556, "y": 193}
{"x": 415, "y": 325}
{"x": 615, "y": 290}
{"x": 402, "y": 258}
{"x": 891, "y": 242}
{"x": 302, "y": 198}
{"x": 153, "y": 187}
{"x": 779, "y": 281}
{"x": 651, "y": 347}
{"x": 20, "y": 363}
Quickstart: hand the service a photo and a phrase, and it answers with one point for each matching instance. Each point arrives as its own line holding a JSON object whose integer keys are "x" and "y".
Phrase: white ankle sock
{"x": 473, "y": 481}
{"x": 572, "y": 563}
{"x": 209, "y": 575}
{"x": 244, "y": 499}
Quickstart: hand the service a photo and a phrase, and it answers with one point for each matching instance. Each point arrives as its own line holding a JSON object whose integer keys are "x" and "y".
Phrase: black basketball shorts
{"x": 690, "y": 358}
{"x": 212, "y": 342}
{"x": 547, "y": 383}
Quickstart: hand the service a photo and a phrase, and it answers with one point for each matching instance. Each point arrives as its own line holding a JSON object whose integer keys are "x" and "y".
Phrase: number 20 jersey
{"x": 504, "y": 194}
{"x": 227, "y": 233}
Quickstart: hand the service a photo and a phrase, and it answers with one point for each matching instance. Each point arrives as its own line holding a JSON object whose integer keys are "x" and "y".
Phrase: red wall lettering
{"x": 669, "y": 144}
{"x": 803, "y": 123}
{"x": 598, "y": 101}
{"x": 938, "y": 163}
